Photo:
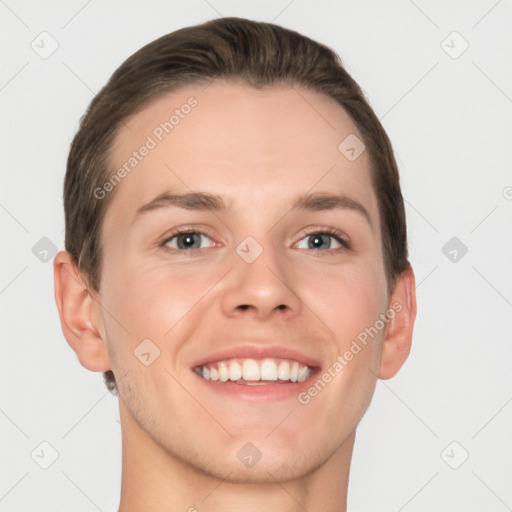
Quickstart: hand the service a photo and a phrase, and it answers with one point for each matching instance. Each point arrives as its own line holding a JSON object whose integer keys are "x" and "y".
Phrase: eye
{"x": 186, "y": 240}
{"x": 323, "y": 239}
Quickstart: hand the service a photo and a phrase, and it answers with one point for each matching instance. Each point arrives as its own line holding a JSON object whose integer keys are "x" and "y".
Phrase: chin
{"x": 261, "y": 462}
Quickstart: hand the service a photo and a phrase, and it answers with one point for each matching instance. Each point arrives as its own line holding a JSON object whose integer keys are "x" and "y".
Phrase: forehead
{"x": 252, "y": 146}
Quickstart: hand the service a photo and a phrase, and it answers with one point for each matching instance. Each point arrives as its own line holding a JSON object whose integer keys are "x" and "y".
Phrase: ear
{"x": 398, "y": 338}
{"x": 79, "y": 311}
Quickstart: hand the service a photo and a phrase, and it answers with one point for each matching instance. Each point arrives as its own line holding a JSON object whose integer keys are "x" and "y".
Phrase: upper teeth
{"x": 255, "y": 370}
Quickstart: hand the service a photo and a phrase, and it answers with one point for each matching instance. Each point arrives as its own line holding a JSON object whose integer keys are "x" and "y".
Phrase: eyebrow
{"x": 201, "y": 201}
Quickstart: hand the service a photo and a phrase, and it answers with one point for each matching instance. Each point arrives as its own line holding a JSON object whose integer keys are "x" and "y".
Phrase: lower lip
{"x": 258, "y": 392}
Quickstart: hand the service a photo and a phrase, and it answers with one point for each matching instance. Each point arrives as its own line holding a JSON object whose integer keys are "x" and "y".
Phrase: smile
{"x": 248, "y": 371}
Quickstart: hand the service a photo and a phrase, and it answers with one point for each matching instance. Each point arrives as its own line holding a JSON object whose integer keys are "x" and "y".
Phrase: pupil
{"x": 186, "y": 240}
{"x": 317, "y": 240}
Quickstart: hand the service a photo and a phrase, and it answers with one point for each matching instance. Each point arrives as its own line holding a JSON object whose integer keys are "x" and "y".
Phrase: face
{"x": 260, "y": 276}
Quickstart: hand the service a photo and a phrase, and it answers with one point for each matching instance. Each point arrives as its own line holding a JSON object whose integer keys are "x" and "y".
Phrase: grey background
{"x": 449, "y": 116}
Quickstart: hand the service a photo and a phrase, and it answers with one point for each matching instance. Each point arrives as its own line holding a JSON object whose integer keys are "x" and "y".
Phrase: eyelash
{"x": 338, "y": 235}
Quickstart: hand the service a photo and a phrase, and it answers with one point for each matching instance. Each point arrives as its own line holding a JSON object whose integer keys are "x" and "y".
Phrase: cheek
{"x": 350, "y": 303}
{"x": 347, "y": 300}
{"x": 150, "y": 300}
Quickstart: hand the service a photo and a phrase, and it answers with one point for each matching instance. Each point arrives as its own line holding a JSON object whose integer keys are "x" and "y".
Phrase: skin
{"x": 259, "y": 150}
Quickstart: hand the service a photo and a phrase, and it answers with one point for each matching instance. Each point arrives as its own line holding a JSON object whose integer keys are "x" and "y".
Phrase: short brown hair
{"x": 256, "y": 53}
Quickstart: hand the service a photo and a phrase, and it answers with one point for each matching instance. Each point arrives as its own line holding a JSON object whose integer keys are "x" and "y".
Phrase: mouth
{"x": 255, "y": 372}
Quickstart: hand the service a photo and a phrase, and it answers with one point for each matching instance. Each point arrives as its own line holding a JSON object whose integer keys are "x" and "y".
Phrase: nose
{"x": 262, "y": 288}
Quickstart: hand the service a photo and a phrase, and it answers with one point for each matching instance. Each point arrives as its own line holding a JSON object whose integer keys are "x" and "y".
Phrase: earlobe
{"x": 398, "y": 339}
{"x": 76, "y": 305}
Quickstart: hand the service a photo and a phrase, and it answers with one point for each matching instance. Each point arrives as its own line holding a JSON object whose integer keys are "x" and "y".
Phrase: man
{"x": 236, "y": 263}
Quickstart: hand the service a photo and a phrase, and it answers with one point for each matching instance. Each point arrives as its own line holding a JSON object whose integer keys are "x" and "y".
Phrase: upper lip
{"x": 258, "y": 351}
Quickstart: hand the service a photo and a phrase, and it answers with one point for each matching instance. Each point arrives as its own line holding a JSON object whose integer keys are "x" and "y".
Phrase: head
{"x": 259, "y": 116}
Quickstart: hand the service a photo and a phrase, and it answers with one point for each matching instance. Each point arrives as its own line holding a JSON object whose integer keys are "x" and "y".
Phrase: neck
{"x": 156, "y": 480}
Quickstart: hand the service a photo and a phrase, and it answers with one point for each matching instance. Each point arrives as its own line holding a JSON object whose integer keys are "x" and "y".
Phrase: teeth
{"x": 235, "y": 371}
{"x": 250, "y": 370}
{"x": 303, "y": 373}
{"x": 283, "y": 372}
{"x": 268, "y": 370}
{"x": 214, "y": 374}
{"x": 294, "y": 372}
{"x": 255, "y": 371}
{"x": 223, "y": 372}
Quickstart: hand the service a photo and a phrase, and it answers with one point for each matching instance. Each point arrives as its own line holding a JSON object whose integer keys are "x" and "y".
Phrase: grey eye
{"x": 320, "y": 241}
{"x": 186, "y": 241}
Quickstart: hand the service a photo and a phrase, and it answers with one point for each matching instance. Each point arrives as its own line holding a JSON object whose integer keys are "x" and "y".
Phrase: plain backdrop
{"x": 439, "y": 76}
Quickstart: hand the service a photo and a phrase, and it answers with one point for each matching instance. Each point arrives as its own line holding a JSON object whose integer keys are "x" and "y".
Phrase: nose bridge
{"x": 260, "y": 280}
